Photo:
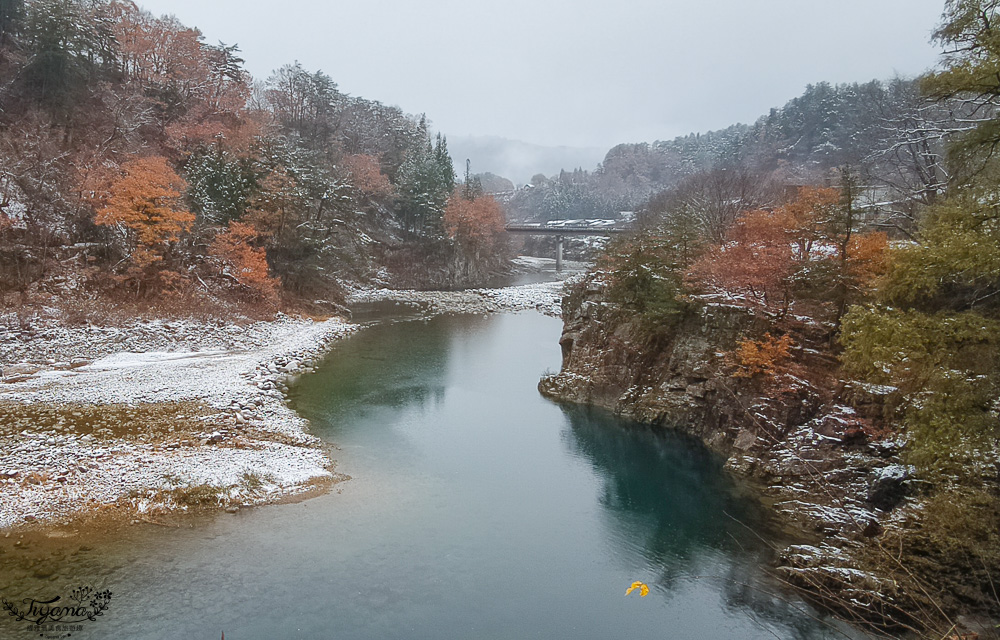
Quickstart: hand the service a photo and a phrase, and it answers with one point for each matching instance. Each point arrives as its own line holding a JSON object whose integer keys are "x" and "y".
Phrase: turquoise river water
{"x": 475, "y": 509}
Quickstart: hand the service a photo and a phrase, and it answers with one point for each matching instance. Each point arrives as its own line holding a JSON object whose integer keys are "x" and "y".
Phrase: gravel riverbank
{"x": 545, "y": 297}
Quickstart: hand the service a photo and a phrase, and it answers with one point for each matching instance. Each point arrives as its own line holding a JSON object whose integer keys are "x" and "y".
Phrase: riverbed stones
{"x": 745, "y": 440}
{"x": 21, "y": 369}
{"x": 889, "y": 487}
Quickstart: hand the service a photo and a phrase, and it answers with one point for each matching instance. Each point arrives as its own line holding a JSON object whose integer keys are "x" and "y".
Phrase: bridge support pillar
{"x": 559, "y": 253}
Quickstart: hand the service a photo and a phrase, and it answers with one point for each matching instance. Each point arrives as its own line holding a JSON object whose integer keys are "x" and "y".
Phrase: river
{"x": 475, "y": 509}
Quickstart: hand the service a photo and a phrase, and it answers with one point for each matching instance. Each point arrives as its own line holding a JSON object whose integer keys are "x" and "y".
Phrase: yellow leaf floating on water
{"x": 641, "y": 586}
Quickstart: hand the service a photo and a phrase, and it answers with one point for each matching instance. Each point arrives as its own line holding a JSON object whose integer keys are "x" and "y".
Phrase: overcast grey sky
{"x": 576, "y": 72}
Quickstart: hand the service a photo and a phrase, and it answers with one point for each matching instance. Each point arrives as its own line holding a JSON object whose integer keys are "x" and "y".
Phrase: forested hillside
{"x": 888, "y": 132}
{"x": 140, "y": 163}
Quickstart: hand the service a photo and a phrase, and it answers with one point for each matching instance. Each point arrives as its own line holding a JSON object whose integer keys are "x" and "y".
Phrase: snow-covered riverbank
{"x": 156, "y": 416}
{"x": 185, "y": 409}
{"x": 545, "y": 297}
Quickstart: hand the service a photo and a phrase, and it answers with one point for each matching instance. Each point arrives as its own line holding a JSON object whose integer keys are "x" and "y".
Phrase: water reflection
{"x": 673, "y": 484}
{"x": 383, "y": 367}
{"x": 667, "y": 498}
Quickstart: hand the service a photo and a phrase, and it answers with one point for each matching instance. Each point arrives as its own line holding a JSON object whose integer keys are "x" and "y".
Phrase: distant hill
{"x": 518, "y": 161}
{"x": 827, "y": 126}
{"x": 884, "y": 130}
{"x": 493, "y": 183}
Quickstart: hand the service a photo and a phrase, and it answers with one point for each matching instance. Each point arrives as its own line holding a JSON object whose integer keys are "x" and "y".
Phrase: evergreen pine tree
{"x": 473, "y": 186}
{"x": 427, "y": 179}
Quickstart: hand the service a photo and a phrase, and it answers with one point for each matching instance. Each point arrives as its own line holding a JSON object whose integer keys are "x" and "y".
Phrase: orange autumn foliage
{"x": 868, "y": 259}
{"x": 755, "y": 261}
{"x": 767, "y": 356}
{"x": 245, "y": 263}
{"x": 477, "y": 224}
{"x": 145, "y": 199}
{"x": 806, "y": 215}
{"x": 769, "y": 254}
{"x": 200, "y": 127}
{"x": 365, "y": 175}
{"x": 159, "y": 53}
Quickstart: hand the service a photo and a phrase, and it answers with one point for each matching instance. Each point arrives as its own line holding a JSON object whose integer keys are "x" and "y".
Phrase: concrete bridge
{"x": 562, "y": 228}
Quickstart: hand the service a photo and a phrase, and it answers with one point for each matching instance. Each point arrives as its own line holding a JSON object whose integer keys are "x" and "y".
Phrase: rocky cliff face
{"x": 811, "y": 455}
{"x": 674, "y": 380}
{"x": 682, "y": 378}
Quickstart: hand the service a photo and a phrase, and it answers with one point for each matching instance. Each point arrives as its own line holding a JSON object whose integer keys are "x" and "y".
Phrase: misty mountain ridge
{"x": 516, "y": 160}
{"x": 872, "y": 127}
